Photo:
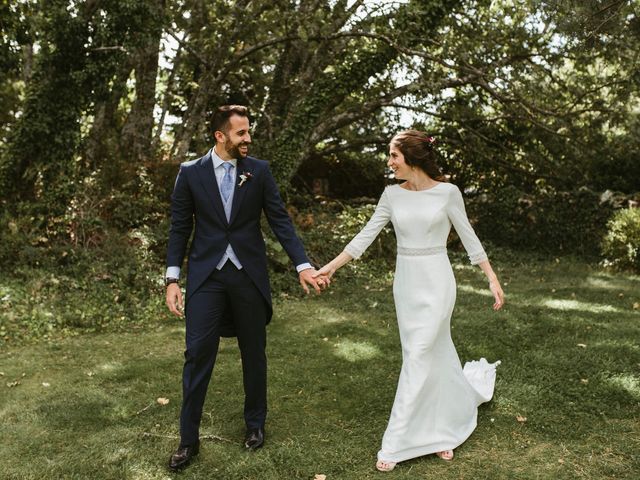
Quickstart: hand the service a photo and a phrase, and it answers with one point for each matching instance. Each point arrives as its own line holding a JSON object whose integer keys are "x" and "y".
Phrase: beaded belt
{"x": 418, "y": 252}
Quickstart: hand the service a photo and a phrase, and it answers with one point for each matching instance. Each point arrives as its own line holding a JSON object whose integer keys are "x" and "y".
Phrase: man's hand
{"x": 174, "y": 299}
{"x": 308, "y": 278}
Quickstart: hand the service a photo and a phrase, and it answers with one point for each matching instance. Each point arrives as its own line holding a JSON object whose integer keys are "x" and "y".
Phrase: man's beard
{"x": 234, "y": 150}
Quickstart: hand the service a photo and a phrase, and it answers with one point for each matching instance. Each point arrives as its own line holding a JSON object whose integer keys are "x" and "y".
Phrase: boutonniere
{"x": 244, "y": 176}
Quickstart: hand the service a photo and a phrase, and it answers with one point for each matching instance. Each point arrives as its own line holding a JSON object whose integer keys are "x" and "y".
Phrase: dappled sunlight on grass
{"x": 485, "y": 292}
{"x": 110, "y": 366}
{"x": 511, "y": 400}
{"x": 567, "y": 304}
{"x": 618, "y": 344}
{"x": 464, "y": 267}
{"x": 607, "y": 283}
{"x": 146, "y": 471}
{"x": 329, "y": 315}
{"x": 117, "y": 455}
{"x": 627, "y": 382}
{"x": 354, "y": 351}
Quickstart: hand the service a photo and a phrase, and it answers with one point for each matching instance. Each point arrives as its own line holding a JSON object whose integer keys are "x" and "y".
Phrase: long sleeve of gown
{"x": 458, "y": 216}
{"x": 368, "y": 234}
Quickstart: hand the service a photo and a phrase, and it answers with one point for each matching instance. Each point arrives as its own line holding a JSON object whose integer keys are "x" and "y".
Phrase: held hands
{"x": 323, "y": 276}
{"x": 174, "y": 299}
{"x": 311, "y": 277}
{"x": 326, "y": 272}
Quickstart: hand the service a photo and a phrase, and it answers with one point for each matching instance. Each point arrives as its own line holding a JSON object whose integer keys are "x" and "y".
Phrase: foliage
{"x": 342, "y": 175}
{"x": 80, "y": 49}
{"x": 327, "y": 226}
{"x": 60, "y": 291}
{"x": 621, "y": 245}
{"x": 539, "y": 94}
{"x": 549, "y": 221}
{"x": 555, "y": 99}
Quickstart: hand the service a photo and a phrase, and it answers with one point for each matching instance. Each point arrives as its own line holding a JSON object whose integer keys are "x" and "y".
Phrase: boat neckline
{"x": 423, "y": 190}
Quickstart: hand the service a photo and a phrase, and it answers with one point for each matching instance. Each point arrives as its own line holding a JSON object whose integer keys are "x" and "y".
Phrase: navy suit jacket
{"x": 196, "y": 199}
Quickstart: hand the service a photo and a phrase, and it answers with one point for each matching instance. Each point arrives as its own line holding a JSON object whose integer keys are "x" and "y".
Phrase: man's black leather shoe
{"x": 183, "y": 455}
{"x": 254, "y": 438}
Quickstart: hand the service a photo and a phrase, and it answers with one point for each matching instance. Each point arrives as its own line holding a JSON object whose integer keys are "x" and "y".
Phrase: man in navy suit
{"x": 228, "y": 294}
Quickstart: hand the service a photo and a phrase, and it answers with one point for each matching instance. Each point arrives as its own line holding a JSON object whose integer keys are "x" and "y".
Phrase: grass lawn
{"x": 566, "y": 406}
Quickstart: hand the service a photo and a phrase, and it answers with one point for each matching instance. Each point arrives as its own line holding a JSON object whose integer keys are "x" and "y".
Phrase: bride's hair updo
{"x": 418, "y": 150}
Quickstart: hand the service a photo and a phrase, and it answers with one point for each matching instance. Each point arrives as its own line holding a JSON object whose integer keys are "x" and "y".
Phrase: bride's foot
{"x": 384, "y": 466}
{"x": 445, "y": 455}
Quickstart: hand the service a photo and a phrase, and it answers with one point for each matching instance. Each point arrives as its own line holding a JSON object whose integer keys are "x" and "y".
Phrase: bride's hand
{"x": 325, "y": 273}
{"x": 498, "y": 294}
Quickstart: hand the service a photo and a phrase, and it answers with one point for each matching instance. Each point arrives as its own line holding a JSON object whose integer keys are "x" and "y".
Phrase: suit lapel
{"x": 209, "y": 183}
{"x": 239, "y": 192}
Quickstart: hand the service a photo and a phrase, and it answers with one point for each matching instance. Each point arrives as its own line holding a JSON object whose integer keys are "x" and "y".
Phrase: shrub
{"x": 621, "y": 244}
{"x": 551, "y": 222}
{"x": 331, "y": 225}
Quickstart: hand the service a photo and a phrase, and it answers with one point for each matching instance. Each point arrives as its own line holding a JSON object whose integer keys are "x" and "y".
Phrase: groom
{"x": 224, "y": 193}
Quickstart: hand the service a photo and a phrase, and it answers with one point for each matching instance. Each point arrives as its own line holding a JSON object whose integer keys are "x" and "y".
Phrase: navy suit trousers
{"x": 226, "y": 289}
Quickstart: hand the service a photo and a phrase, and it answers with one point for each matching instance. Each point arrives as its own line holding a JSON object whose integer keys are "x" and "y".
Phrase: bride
{"x": 436, "y": 403}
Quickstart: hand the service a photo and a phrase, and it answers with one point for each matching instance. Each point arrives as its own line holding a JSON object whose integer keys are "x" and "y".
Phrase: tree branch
{"x": 361, "y": 142}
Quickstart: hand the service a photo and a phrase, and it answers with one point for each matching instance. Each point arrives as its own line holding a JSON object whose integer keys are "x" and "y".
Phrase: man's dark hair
{"x": 220, "y": 118}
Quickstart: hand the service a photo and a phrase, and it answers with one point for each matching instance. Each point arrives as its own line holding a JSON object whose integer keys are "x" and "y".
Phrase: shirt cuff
{"x": 172, "y": 272}
{"x": 303, "y": 266}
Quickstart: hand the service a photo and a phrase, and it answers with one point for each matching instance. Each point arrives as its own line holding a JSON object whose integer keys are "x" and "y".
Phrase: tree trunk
{"x": 101, "y": 143}
{"x": 27, "y": 62}
{"x": 166, "y": 102}
{"x": 194, "y": 116}
{"x": 138, "y": 128}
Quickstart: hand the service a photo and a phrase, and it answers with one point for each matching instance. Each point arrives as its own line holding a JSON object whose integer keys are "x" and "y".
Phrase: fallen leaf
{"x": 46, "y": 384}
{"x": 163, "y": 401}
{"x": 560, "y": 461}
{"x": 581, "y": 345}
{"x": 584, "y": 380}
{"x": 320, "y": 476}
{"x": 13, "y": 384}
{"x": 636, "y": 306}
{"x": 521, "y": 419}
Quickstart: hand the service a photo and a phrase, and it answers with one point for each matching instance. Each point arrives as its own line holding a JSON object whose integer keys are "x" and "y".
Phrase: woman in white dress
{"x": 436, "y": 403}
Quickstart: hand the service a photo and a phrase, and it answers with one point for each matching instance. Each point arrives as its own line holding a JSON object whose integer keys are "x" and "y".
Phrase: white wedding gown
{"x": 436, "y": 402}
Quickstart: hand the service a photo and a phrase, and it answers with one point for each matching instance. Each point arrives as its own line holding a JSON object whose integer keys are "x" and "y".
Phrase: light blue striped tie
{"x": 227, "y": 182}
